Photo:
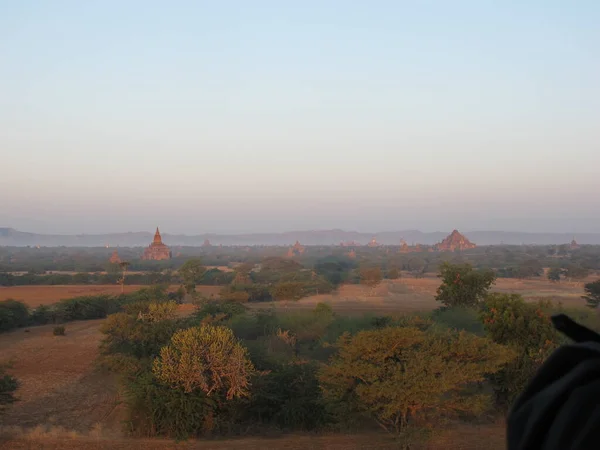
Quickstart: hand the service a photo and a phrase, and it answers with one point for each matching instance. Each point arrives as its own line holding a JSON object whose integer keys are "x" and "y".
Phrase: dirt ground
{"x": 34, "y": 296}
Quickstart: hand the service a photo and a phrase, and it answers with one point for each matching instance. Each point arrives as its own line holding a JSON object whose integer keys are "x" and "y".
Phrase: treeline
{"x": 228, "y": 371}
{"x": 211, "y": 277}
{"x": 509, "y": 260}
{"x": 16, "y": 314}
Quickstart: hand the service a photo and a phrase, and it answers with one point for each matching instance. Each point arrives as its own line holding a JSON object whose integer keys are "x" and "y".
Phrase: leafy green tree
{"x": 592, "y": 294}
{"x": 462, "y": 285}
{"x": 192, "y": 272}
{"x": 527, "y": 329}
{"x": 206, "y": 358}
{"x": 399, "y": 375}
{"x": 554, "y": 274}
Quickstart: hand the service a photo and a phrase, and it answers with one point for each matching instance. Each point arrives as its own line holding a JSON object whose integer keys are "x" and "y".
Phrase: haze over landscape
{"x": 238, "y": 117}
{"x": 320, "y": 224}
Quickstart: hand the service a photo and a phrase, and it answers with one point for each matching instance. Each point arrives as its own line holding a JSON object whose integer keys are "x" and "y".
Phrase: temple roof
{"x": 157, "y": 238}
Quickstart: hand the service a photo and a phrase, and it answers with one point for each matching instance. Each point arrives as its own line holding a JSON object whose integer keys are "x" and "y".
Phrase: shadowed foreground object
{"x": 560, "y": 408}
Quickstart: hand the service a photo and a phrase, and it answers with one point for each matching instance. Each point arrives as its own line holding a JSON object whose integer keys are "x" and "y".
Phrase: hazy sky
{"x": 228, "y": 116}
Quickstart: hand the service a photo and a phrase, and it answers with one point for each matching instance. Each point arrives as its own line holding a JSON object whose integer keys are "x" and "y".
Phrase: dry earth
{"x": 34, "y": 296}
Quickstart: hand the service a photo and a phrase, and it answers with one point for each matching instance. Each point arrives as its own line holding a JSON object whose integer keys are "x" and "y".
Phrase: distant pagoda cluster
{"x": 157, "y": 251}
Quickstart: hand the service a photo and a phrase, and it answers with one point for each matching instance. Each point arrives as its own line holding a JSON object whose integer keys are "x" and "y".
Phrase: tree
{"x": 397, "y": 375}
{"x": 370, "y": 276}
{"x": 192, "y": 272}
{"x": 527, "y": 329}
{"x": 462, "y": 285}
{"x": 205, "y": 358}
{"x": 554, "y": 274}
{"x": 592, "y": 291}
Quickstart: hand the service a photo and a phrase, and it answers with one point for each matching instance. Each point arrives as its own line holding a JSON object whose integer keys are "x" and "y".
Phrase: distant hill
{"x": 12, "y": 237}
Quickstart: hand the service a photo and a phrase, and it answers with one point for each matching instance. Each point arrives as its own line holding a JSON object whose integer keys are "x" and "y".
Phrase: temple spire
{"x": 157, "y": 238}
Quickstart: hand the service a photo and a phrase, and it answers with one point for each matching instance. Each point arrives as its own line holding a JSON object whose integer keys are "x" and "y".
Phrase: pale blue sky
{"x": 229, "y": 116}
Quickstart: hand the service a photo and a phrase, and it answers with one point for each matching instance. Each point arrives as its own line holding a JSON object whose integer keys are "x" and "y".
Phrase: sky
{"x": 266, "y": 116}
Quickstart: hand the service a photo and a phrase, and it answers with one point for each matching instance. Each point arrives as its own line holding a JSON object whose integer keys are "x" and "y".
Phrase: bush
{"x": 13, "y": 314}
{"x": 143, "y": 339}
{"x": 526, "y": 328}
{"x": 402, "y": 375}
{"x": 289, "y": 397}
{"x": 41, "y": 315}
{"x": 156, "y": 409}
{"x": 205, "y": 358}
{"x": 592, "y": 294}
{"x": 58, "y": 331}
{"x": 8, "y": 385}
{"x": 214, "y": 308}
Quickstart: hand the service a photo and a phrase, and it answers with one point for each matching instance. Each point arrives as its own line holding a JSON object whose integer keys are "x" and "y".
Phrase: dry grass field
{"x": 34, "y": 296}
{"x": 410, "y": 294}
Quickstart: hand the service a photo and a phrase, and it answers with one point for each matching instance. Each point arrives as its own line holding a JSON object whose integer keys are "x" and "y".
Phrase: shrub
{"x": 205, "y": 358}
{"x": 8, "y": 385}
{"x": 526, "y": 328}
{"x": 288, "y": 396}
{"x": 156, "y": 409}
{"x": 58, "y": 330}
{"x": 128, "y": 335}
{"x": 399, "y": 375}
{"x": 213, "y": 308}
{"x": 13, "y": 314}
{"x": 459, "y": 318}
{"x": 41, "y": 315}
{"x": 592, "y": 294}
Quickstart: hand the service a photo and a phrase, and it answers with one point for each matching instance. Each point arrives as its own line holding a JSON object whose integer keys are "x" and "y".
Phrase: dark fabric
{"x": 560, "y": 408}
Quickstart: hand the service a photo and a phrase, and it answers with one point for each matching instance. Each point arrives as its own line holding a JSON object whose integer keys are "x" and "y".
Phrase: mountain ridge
{"x": 12, "y": 237}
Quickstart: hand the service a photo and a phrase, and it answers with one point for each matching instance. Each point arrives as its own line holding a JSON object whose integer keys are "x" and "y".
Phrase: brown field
{"x": 44, "y": 295}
